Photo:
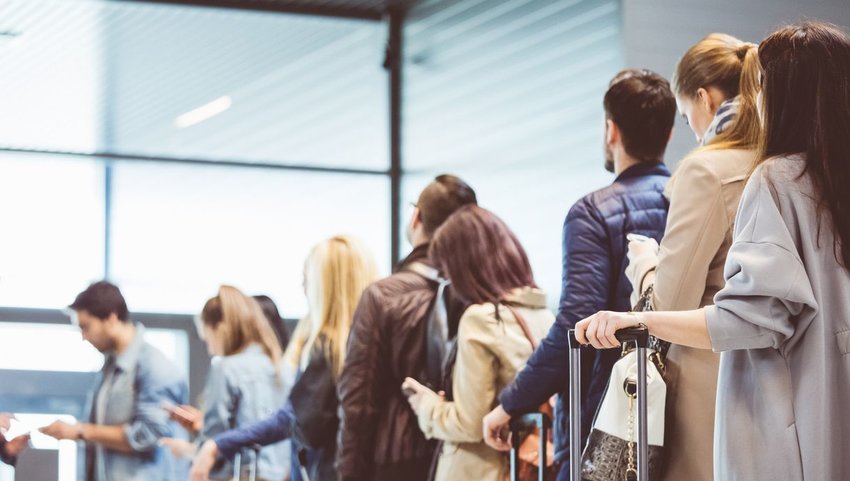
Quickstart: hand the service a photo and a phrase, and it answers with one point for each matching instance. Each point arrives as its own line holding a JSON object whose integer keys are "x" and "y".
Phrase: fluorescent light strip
{"x": 204, "y": 112}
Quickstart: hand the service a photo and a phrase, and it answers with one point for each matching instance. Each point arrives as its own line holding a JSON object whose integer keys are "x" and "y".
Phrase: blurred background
{"x": 171, "y": 146}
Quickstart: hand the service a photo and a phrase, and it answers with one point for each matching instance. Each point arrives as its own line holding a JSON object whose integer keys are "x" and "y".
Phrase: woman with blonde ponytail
{"x": 335, "y": 274}
{"x": 716, "y": 86}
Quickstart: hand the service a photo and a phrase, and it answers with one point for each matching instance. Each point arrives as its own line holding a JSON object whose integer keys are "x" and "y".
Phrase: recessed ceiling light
{"x": 202, "y": 113}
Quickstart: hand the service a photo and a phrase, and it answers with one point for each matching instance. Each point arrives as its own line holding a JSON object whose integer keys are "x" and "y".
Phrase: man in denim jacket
{"x": 640, "y": 110}
{"x": 126, "y": 420}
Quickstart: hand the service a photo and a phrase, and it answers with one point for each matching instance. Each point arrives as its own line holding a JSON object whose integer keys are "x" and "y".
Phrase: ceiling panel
{"x": 268, "y": 88}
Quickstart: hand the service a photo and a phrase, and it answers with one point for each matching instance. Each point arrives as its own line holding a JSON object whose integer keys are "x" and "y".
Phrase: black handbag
{"x": 314, "y": 401}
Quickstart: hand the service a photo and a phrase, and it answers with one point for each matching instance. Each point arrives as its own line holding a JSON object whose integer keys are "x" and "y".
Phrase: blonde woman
{"x": 335, "y": 274}
{"x": 716, "y": 86}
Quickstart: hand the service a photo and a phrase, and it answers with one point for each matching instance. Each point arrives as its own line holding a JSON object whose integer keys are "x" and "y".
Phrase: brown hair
{"x": 100, "y": 300}
{"x": 441, "y": 198}
{"x": 643, "y": 107}
{"x": 806, "y": 98}
{"x": 731, "y": 66}
{"x": 240, "y": 321}
{"x": 481, "y": 256}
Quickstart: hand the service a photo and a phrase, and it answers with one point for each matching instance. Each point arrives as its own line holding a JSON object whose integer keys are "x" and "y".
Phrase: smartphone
{"x": 636, "y": 237}
{"x": 408, "y": 391}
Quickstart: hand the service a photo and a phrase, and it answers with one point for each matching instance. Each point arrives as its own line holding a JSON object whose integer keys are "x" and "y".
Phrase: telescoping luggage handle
{"x": 252, "y": 468}
{"x": 524, "y": 424}
{"x": 640, "y": 337}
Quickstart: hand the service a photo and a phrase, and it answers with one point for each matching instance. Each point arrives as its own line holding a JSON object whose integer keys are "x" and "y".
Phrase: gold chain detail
{"x": 632, "y": 468}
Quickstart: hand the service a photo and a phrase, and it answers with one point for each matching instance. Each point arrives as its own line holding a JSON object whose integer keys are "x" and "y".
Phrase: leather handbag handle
{"x": 523, "y": 325}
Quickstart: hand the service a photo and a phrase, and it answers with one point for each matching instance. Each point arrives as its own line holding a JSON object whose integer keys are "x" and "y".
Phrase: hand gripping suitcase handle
{"x": 521, "y": 425}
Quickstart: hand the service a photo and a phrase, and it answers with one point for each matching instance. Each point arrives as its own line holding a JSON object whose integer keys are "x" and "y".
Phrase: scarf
{"x": 723, "y": 119}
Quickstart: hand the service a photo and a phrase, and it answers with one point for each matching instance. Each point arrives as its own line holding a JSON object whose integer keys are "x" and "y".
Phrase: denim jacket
{"x": 242, "y": 389}
{"x": 136, "y": 382}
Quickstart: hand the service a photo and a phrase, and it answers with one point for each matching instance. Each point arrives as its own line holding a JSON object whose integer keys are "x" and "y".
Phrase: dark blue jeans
{"x": 564, "y": 473}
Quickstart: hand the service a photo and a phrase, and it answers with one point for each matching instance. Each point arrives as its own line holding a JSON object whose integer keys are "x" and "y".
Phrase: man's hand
{"x": 496, "y": 423}
{"x": 62, "y": 430}
{"x": 18, "y": 445}
{"x": 204, "y": 461}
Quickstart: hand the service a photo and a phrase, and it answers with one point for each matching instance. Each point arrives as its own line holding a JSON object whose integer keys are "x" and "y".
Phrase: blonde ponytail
{"x": 732, "y": 66}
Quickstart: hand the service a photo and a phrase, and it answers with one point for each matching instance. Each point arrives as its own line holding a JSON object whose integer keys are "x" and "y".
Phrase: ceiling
{"x": 94, "y": 76}
{"x": 366, "y": 9}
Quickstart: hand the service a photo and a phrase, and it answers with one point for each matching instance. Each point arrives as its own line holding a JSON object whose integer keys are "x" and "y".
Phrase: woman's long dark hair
{"x": 806, "y": 95}
{"x": 480, "y": 255}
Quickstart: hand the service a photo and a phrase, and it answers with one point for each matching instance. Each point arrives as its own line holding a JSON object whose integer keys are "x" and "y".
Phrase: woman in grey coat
{"x": 782, "y": 321}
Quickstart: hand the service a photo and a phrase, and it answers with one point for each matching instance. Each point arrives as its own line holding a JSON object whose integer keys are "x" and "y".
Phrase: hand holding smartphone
{"x": 190, "y": 417}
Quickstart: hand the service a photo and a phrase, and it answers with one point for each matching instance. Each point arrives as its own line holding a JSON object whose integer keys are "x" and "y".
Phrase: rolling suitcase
{"x": 252, "y": 467}
{"x": 521, "y": 427}
{"x": 640, "y": 337}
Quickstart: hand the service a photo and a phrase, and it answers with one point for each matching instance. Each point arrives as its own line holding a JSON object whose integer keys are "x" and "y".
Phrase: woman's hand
{"x": 204, "y": 461}
{"x": 190, "y": 417}
{"x": 180, "y": 448}
{"x": 417, "y": 393}
{"x": 599, "y": 329}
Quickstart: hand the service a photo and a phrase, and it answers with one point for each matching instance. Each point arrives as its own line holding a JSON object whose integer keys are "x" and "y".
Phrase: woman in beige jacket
{"x": 489, "y": 269}
{"x": 716, "y": 87}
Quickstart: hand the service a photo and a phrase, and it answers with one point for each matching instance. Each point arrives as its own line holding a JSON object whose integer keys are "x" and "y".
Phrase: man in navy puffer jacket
{"x": 640, "y": 110}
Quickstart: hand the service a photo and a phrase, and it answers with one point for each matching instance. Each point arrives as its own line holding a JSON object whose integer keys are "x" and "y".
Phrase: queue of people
{"x": 744, "y": 255}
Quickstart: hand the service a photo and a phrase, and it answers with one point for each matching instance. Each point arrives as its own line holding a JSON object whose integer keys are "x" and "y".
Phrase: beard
{"x": 609, "y": 159}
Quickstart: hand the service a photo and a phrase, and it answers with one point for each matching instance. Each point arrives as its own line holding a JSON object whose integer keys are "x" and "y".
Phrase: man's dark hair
{"x": 100, "y": 300}
{"x": 442, "y": 198}
{"x": 642, "y": 105}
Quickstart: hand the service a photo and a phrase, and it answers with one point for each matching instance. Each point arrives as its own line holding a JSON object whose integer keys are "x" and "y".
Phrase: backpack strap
{"x": 437, "y": 325}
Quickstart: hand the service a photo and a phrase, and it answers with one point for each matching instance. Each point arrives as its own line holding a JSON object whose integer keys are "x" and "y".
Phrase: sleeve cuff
{"x": 725, "y": 333}
{"x": 139, "y": 439}
{"x": 227, "y": 448}
{"x": 426, "y": 413}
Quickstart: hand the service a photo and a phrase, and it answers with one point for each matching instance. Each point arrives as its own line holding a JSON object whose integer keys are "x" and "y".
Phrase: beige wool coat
{"x": 704, "y": 194}
{"x": 490, "y": 352}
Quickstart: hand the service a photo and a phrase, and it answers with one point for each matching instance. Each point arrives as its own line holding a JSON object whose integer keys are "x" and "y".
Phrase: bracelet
{"x": 639, "y": 318}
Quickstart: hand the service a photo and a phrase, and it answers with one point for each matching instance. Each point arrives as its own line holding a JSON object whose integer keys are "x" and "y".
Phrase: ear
{"x": 113, "y": 320}
{"x": 705, "y": 100}
{"x": 612, "y": 132}
{"x": 416, "y": 220}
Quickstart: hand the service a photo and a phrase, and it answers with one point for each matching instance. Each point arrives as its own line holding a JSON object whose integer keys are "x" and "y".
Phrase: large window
{"x": 180, "y": 231}
{"x": 508, "y": 94}
{"x": 53, "y": 229}
{"x": 130, "y": 136}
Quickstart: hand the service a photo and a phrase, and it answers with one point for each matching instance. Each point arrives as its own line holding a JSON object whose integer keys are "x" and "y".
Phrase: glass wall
{"x": 508, "y": 94}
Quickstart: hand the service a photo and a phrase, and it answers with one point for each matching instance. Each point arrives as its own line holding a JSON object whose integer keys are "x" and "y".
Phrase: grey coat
{"x": 783, "y": 324}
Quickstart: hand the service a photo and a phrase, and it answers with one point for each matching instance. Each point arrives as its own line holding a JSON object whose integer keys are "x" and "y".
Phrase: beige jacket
{"x": 704, "y": 194}
{"x": 490, "y": 353}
